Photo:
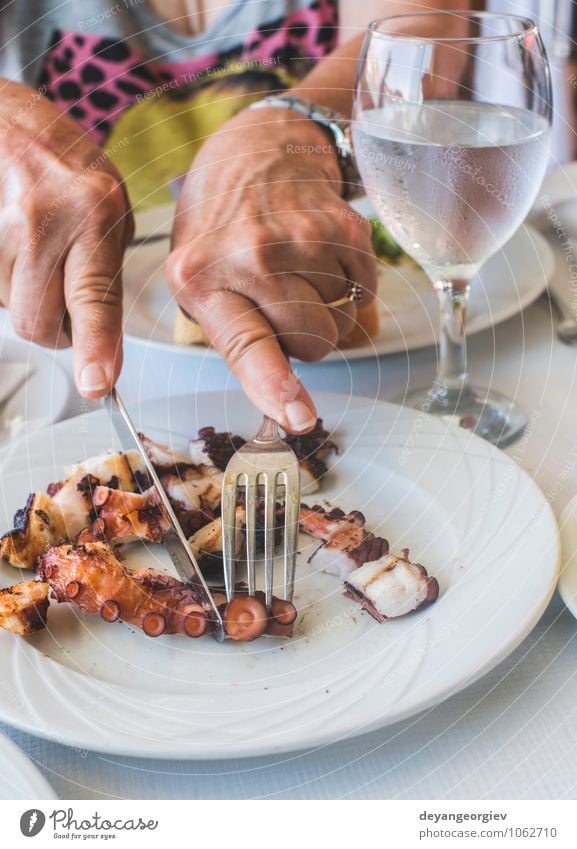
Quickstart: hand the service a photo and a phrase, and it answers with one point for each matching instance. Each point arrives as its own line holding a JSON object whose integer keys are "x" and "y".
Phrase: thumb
{"x": 93, "y": 295}
{"x": 245, "y": 339}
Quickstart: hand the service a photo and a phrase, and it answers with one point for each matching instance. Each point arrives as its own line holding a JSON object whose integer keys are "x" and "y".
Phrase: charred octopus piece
{"x": 127, "y": 516}
{"x": 163, "y": 457}
{"x": 346, "y": 550}
{"x": 91, "y": 577}
{"x": 213, "y": 448}
{"x": 391, "y": 586}
{"x": 23, "y": 607}
{"x": 206, "y": 543}
{"x": 36, "y": 526}
{"x": 312, "y": 450}
{"x": 322, "y": 524}
{"x": 117, "y": 471}
{"x": 194, "y": 489}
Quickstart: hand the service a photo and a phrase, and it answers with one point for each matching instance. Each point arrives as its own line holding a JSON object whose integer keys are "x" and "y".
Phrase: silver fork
{"x": 264, "y": 465}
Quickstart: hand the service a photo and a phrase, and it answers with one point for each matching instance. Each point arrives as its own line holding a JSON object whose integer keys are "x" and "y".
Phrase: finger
{"x": 241, "y": 334}
{"x": 360, "y": 266}
{"x": 329, "y": 281}
{"x": 93, "y": 294}
{"x": 298, "y": 315}
{"x": 36, "y": 300}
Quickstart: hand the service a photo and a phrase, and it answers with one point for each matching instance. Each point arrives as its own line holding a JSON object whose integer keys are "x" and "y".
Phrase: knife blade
{"x": 176, "y": 542}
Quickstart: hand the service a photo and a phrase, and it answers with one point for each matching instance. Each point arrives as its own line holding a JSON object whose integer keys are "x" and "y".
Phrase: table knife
{"x": 175, "y": 540}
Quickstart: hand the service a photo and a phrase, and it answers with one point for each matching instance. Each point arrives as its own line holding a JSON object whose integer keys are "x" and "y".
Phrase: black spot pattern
{"x": 77, "y": 112}
{"x": 69, "y": 90}
{"x": 61, "y": 65}
{"x": 143, "y": 73}
{"x": 287, "y": 54}
{"x": 270, "y": 28}
{"x": 91, "y": 74}
{"x": 325, "y": 34}
{"x": 102, "y": 126}
{"x": 111, "y": 50}
{"x": 103, "y": 99}
{"x": 128, "y": 87}
{"x": 299, "y": 29}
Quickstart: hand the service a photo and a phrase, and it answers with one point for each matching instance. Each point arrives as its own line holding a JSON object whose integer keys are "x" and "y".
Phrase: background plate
{"x": 509, "y": 282}
{"x": 19, "y": 778}
{"x": 465, "y": 510}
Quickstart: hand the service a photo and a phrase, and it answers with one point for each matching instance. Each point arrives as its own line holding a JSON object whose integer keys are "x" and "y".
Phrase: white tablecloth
{"x": 511, "y": 735}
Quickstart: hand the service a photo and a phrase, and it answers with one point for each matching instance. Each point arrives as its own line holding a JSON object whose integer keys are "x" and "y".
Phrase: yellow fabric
{"x": 154, "y": 141}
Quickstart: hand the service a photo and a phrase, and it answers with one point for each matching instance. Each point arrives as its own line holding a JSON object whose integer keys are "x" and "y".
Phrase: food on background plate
{"x": 74, "y": 534}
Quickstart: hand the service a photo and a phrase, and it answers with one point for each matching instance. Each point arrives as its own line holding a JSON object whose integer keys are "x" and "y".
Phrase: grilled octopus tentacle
{"x": 91, "y": 577}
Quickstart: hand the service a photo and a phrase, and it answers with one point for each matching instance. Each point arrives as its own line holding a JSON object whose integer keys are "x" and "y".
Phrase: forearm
{"x": 331, "y": 82}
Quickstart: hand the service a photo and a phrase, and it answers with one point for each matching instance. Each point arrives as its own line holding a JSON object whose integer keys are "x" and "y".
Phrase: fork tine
{"x": 291, "y": 528}
{"x": 228, "y": 520}
{"x": 251, "y": 491}
{"x": 269, "y": 533}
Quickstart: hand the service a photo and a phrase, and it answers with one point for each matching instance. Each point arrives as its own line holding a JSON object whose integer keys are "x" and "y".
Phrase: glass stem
{"x": 451, "y": 380}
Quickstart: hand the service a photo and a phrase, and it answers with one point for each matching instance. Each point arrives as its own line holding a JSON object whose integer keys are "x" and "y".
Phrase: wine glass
{"x": 451, "y": 120}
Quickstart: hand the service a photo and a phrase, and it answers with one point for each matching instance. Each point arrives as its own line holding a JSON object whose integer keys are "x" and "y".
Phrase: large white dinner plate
{"x": 466, "y": 511}
{"x": 509, "y": 282}
{"x": 19, "y": 778}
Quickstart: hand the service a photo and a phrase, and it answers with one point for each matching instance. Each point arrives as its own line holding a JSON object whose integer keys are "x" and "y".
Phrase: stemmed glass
{"x": 451, "y": 121}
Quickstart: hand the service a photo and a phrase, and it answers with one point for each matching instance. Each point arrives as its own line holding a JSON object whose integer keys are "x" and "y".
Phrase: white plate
{"x": 556, "y": 203}
{"x": 509, "y": 282}
{"x": 466, "y": 511}
{"x": 42, "y": 399}
{"x": 19, "y": 778}
{"x": 568, "y": 576}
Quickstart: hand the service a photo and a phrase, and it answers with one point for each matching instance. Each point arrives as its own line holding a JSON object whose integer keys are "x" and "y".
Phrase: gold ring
{"x": 354, "y": 293}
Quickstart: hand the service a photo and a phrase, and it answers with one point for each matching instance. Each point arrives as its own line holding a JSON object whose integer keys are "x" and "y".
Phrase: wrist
{"x": 295, "y": 137}
{"x": 336, "y": 126}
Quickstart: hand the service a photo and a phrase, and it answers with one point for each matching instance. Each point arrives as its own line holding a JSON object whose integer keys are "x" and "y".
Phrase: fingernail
{"x": 300, "y": 416}
{"x": 93, "y": 378}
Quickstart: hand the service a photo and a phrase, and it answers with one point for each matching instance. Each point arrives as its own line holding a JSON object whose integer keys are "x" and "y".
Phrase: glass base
{"x": 488, "y": 414}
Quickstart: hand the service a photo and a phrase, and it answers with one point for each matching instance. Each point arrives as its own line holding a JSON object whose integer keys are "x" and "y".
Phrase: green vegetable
{"x": 384, "y": 245}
